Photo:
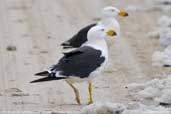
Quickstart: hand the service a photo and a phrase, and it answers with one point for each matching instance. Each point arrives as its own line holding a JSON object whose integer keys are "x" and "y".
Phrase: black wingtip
{"x": 44, "y": 73}
{"x": 65, "y": 43}
{"x": 41, "y": 80}
{"x": 47, "y": 79}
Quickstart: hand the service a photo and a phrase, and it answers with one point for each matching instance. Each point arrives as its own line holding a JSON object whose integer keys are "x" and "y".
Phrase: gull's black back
{"x": 80, "y": 62}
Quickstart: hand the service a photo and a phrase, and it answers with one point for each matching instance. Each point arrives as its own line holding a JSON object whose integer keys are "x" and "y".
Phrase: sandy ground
{"x": 38, "y": 27}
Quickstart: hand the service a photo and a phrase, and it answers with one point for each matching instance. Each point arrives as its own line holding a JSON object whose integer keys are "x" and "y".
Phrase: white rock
{"x": 145, "y": 112}
{"x": 157, "y": 58}
{"x": 164, "y": 21}
{"x": 166, "y": 8}
{"x": 103, "y": 108}
{"x": 162, "y": 58}
{"x": 155, "y": 83}
{"x": 149, "y": 90}
{"x": 134, "y": 87}
{"x": 146, "y": 109}
{"x": 149, "y": 93}
{"x": 165, "y": 36}
{"x": 167, "y": 82}
{"x": 167, "y": 56}
{"x": 166, "y": 97}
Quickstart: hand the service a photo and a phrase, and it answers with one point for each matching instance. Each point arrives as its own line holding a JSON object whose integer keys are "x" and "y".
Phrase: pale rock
{"x": 167, "y": 56}
{"x": 148, "y": 110}
{"x": 165, "y": 37}
{"x": 155, "y": 83}
{"x": 157, "y": 58}
{"x": 149, "y": 93}
{"x": 166, "y": 97}
{"x": 164, "y": 21}
{"x": 133, "y": 88}
{"x": 167, "y": 82}
{"x": 104, "y": 108}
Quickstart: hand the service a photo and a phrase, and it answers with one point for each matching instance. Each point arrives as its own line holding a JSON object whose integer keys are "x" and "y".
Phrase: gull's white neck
{"x": 99, "y": 44}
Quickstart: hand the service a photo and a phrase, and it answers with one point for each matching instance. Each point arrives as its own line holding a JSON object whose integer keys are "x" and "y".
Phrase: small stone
{"x": 48, "y": 37}
{"x": 43, "y": 51}
{"x": 12, "y": 90}
{"x": 154, "y": 34}
{"x": 11, "y": 48}
{"x": 20, "y": 20}
{"x": 19, "y": 94}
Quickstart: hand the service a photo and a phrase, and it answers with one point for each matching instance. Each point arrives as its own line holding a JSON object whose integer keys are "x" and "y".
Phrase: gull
{"x": 82, "y": 64}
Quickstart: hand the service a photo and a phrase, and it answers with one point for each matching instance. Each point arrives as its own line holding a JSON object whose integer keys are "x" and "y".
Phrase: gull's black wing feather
{"x": 78, "y": 39}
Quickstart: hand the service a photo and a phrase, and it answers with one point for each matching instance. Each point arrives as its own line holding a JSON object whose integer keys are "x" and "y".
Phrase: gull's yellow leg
{"x": 77, "y": 96}
{"x": 90, "y": 93}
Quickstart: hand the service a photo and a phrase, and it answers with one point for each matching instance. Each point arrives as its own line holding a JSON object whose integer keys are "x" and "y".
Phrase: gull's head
{"x": 113, "y": 12}
{"x": 99, "y": 32}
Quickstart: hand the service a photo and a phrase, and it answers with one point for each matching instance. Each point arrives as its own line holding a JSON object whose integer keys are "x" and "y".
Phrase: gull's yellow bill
{"x": 123, "y": 13}
{"x": 111, "y": 32}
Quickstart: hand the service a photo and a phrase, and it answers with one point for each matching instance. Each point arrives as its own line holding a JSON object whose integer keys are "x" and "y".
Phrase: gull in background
{"x": 108, "y": 19}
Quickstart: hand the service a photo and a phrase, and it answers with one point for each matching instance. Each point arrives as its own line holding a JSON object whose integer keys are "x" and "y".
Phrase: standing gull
{"x": 83, "y": 63}
{"x": 107, "y": 20}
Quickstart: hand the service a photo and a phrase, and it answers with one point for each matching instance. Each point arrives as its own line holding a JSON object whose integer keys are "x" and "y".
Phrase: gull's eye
{"x": 102, "y": 29}
{"x": 112, "y": 10}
